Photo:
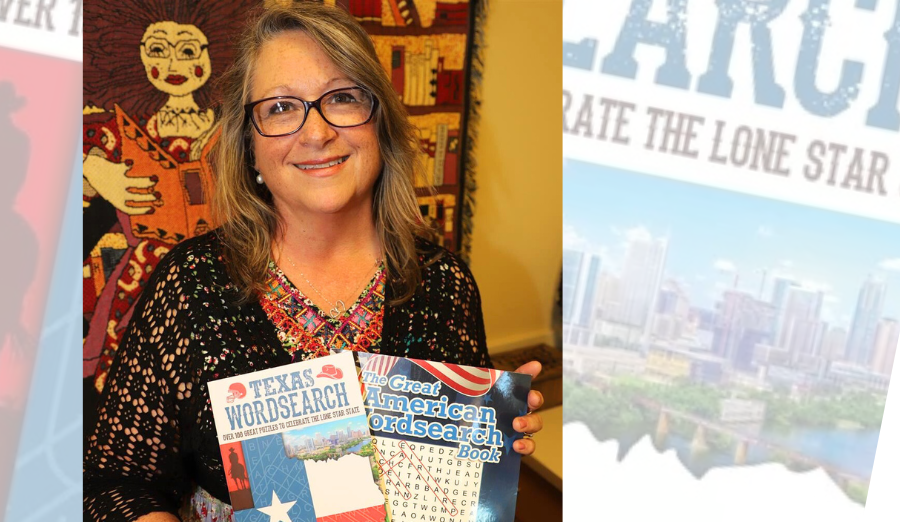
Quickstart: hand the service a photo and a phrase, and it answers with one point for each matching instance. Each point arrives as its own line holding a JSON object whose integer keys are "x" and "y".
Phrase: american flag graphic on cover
{"x": 443, "y": 436}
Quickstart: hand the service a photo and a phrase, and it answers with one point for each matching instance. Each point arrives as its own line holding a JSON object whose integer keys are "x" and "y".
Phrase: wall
{"x": 517, "y": 239}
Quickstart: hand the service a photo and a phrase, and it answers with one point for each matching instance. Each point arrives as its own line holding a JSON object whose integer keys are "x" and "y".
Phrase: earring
{"x": 259, "y": 179}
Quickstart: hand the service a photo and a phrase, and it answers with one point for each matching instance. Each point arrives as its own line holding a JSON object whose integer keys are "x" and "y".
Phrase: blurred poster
{"x": 731, "y": 264}
{"x": 40, "y": 81}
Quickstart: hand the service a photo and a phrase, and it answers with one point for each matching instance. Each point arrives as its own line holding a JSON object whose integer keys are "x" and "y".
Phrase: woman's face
{"x": 319, "y": 169}
{"x": 175, "y": 57}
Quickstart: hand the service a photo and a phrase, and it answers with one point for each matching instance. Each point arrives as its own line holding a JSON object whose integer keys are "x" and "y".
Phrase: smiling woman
{"x": 321, "y": 246}
{"x": 319, "y": 170}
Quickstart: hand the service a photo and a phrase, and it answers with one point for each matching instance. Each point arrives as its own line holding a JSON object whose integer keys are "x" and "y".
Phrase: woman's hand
{"x": 531, "y": 423}
{"x": 131, "y": 195}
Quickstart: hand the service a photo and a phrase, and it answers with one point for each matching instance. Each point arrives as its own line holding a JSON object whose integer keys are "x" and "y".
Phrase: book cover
{"x": 289, "y": 434}
{"x": 731, "y": 259}
{"x": 443, "y": 437}
{"x": 40, "y": 76}
{"x": 183, "y": 201}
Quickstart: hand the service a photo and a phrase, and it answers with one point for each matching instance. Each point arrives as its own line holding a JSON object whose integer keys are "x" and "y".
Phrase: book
{"x": 451, "y": 158}
{"x": 183, "y": 206}
{"x": 729, "y": 287}
{"x": 440, "y": 152}
{"x": 366, "y": 10}
{"x": 443, "y": 437}
{"x": 431, "y": 69}
{"x": 398, "y": 68}
{"x": 409, "y": 77}
{"x": 450, "y": 15}
{"x": 450, "y": 86}
{"x": 289, "y": 434}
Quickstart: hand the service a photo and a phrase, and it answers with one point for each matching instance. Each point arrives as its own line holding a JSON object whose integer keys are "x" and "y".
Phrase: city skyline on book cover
{"x": 730, "y": 329}
{"x": 444, "y": 436}
{"x": 289, "y": 434}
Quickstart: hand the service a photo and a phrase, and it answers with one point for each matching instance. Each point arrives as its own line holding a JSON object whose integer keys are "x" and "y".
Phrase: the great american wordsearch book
{"x": 443, "y": 437}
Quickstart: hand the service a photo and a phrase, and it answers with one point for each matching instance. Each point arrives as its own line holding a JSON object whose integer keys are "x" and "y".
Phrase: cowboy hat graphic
{"x": 330, "y": 372}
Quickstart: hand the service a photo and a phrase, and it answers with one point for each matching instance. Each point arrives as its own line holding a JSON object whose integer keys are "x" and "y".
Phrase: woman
{"x": 315, "y": 192}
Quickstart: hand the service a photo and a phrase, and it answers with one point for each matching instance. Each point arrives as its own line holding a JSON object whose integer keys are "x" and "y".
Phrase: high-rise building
{"x": 869, "y": 307}
{"x": 742, "y": 322}
{"x": 608, "y": 295}
{"x": 570, "y": 270}
{"x": 800, "y": 328}
{"x": 581, "y": 274}
{"x": 672, "y": 311}
{"x": 586, "y": 292}
{"x": 645, "y": 261}
{"x": 834, "y": 343}
{"x": 780, "y": 286}
{"x": 886, "y": 338}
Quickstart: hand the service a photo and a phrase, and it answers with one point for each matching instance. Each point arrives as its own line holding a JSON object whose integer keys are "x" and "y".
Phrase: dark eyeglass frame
{"x": 174, "y": 46}
{"x": 308, "y": 106}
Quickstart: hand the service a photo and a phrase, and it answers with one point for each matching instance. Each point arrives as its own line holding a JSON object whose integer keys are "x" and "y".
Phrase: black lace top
{"x": 155, "y": 438}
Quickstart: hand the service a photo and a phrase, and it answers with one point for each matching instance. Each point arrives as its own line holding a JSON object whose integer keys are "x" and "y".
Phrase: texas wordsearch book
{"x": 295, "y": 442}
{"x": 443, "y": 437}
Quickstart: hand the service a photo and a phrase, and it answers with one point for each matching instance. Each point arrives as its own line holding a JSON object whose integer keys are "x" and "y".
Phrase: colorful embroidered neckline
{"x": 307, "y": 331}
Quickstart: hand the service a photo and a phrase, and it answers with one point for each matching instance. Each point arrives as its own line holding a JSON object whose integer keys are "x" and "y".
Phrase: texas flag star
{"x": 278, "y": 511}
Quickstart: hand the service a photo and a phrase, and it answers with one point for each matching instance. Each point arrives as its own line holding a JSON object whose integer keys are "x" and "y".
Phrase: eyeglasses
{"x": 184, "y": 49}
{"x": 284, "y": 115}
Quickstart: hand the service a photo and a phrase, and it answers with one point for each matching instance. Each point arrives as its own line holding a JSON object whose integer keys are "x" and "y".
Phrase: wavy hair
{"x": 245, "y": 210}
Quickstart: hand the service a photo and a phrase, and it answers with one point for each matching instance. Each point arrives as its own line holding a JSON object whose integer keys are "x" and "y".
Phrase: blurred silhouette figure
{"x": 17, "y": 269}
{"x": 237, "y": 470}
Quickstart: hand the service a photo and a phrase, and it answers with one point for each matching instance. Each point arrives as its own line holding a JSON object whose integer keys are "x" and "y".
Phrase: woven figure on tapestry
{"x": 147, "y": 131}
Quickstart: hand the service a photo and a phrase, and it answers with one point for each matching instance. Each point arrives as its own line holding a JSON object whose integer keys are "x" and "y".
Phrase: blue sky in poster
{"x": 715, "y": 234}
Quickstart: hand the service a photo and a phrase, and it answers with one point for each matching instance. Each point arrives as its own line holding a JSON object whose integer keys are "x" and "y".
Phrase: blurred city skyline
{"x": 735, "y": 329}
{"x": 356, "y": 425}
{"x": 728, "y": 281}
{"x": 716, "y": 240}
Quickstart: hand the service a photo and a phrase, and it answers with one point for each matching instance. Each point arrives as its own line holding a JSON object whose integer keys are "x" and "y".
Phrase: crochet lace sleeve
{"x": 132, "y": 464}
{"x": 455, "y": 324}
{"x": 469, "y": 329}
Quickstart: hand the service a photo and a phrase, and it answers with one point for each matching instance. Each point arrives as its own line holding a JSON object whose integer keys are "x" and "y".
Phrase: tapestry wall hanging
{"x": 149, "y": 118}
